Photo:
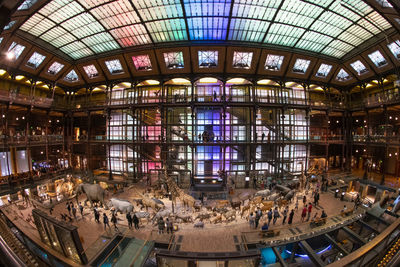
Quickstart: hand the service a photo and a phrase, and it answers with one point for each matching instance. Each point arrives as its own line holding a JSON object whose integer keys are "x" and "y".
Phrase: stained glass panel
{"x": 55, "y": 68}
{"x": 14, "y": 51}
{"x": 174, "y": 60}
{"x": 343, "y": 76}
{"x": 242, "y": 60}
{"x": 301, "y": 65}
{"x": 395, "y": 48}
{"x": 27, "y": 4}
{"x": 377, "y": 58}
{"x": 9, "y": 25}
{"x": 71, "y": 76}
{"x": 35, "y": 60}
{"x": 114, "y": 66}
{"x": 142, "y": 63}
{"x": 359, "y": 67}
{"x": 91, "y": 71}
{"x": 273, "y": 62}
{"x": 323, "y": 70}
{"x": 208, "y": 59}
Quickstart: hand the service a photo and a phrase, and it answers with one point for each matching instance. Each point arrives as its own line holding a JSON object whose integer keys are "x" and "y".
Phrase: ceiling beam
{"x": 311, "y": 253}
{"x": 336, "y": 244}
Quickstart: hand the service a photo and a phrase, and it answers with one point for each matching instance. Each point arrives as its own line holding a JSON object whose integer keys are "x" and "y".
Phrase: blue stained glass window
{"x": 343, "y": 76}
{"x": 9, "y": 25}
{"x": 359, "y": 67}
{"x": 174, "y": 60}
{"x": 301, "y": 65}
{"x": 114, "y": 66}
{"x": 395, "y": 48}
{"x": 377, "y": 58}
{"x": 208, "y": 59}
{"x": 384, "y": 3}
{"x": 15, "y": 50}
{"x": 323, "y": 70}
{"x": 35, "y": 60}
{"x": 242, "y": 60}
{"x": 27, "y": 4}
{"x": 71, "y": 76}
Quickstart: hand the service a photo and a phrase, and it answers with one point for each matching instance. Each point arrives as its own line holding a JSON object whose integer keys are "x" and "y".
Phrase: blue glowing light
{"x": 306, "y": 256}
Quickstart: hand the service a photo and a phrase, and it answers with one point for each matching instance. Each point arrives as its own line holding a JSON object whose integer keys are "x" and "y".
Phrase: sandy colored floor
{"x": 212, "y": 238}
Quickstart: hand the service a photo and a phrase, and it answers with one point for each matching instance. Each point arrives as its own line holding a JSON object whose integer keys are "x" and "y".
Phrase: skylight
{"x": 174, "y": 60}
{"x": 242, "y": 60}
{"x": 359, "y": 67}
{"x": 71, "y": 76}
{"x": 27, "y": 4}
{"x": 35, "y": 60}
{"x": 1, "y": 39}
{"x": 273, "y": 62}
{"x": 114, "y": 66}
{"x": 377, "y": 58}
{"x": 343, "y": 76}
{"x": 14, "y": 51}
{"x": 9, "y": 25}
{"x": 395, "y": 48}
{"x": 142, "y": 63}
{"x": 55, "y": 68}
{"x": 208, "y": 59}
{"x": 301, "y": 65}
{"x": 91, "y": 71}
{"x": 384, "y": 3}
{"x": 323, "y": 70}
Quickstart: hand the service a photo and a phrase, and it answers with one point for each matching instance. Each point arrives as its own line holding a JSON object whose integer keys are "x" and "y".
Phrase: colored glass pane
{"x": 35, "y": 60}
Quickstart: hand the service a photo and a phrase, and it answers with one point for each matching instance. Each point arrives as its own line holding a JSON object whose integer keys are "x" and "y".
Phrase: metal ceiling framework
{"x": 75, "y": 27}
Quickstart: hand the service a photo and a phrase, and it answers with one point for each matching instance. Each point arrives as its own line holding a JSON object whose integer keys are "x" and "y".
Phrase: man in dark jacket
{"x": 129, "y": 218}
{"x": 136, "y": 221}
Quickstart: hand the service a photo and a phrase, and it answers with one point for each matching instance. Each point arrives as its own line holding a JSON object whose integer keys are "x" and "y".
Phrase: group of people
{"x": 167, "y": 224}
{"x": 272, "y": 215}
{"x": 71, "y": 210}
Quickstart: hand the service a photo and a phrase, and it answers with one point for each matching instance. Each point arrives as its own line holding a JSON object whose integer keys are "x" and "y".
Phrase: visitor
{"x": 269, "y": 214}
{"x": 262, "y": 136}
{"x": 304, "y": 200}
{"x": 81, "y": 209}
{"x": 284, "y": 213}
{"x": 74, "y": 211}
{"x": 316, "y": 198}
{"x": 170, "y": 226}
{"x": 258, "y": 217}
{"x": 265, "y": 226}
{"x": 297, "y": 204}
{"x": 135, "y": 220}
{"x": 309, "y": 211}
{"x": 129, "y": 218}
{"x": 323, "y": 214}
{"x": 96, "y": 216}
{"x": 290, "y": 220}
{"x": 161, "y": 225}
{"x": 114, "y": 220}
{"x": 255, "y": 183}
{"x": 215, "y": 96}
{"x": 315, "y": 217}
{"x": 252, "y": 220}
{"x": 276, "y": 215}
{"x": 69, "y": 208}
{"x": 304, "y": 213}
{"x": 105, "y": 221}
{"x": 344, "y": 208}
{"x": 51, "y": 211}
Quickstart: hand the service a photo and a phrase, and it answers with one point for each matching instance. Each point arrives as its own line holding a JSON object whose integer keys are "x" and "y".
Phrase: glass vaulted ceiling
{"x": 81, "y": 28}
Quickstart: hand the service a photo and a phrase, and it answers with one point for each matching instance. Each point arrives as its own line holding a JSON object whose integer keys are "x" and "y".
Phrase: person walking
{"x": 74, "y": 211}
{"x": 258, "y": 217}
{"x": 81, "y": 209}
{"x": 161, "y": 225}
{"x": 96, "y": 216}
{"x": 269, "y": 214}
{"x": 276, "y": 215}
{"x": 284, "y": 213}
{"x": 114, "y": 220}
{"x": 252, "y": 220}
{"x": 69, "y": 208}
{"x": 170, "y": 226}
{"x": 309, "y": 211}
{"x": 317, "y": 198}
{"x": 290, "y": 220}
{"x": 323, "y": 214}
{"x": 297, "y": 204}
{"x": 304, "y": 213}
{"x": 135, "y": 220}
{"x": 129, "y": 218}
{"x": 105, "y": 221}
{"x": 304, "y": 200}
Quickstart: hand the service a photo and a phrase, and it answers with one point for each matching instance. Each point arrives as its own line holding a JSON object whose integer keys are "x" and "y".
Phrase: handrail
{"x": 352, "y": 257}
